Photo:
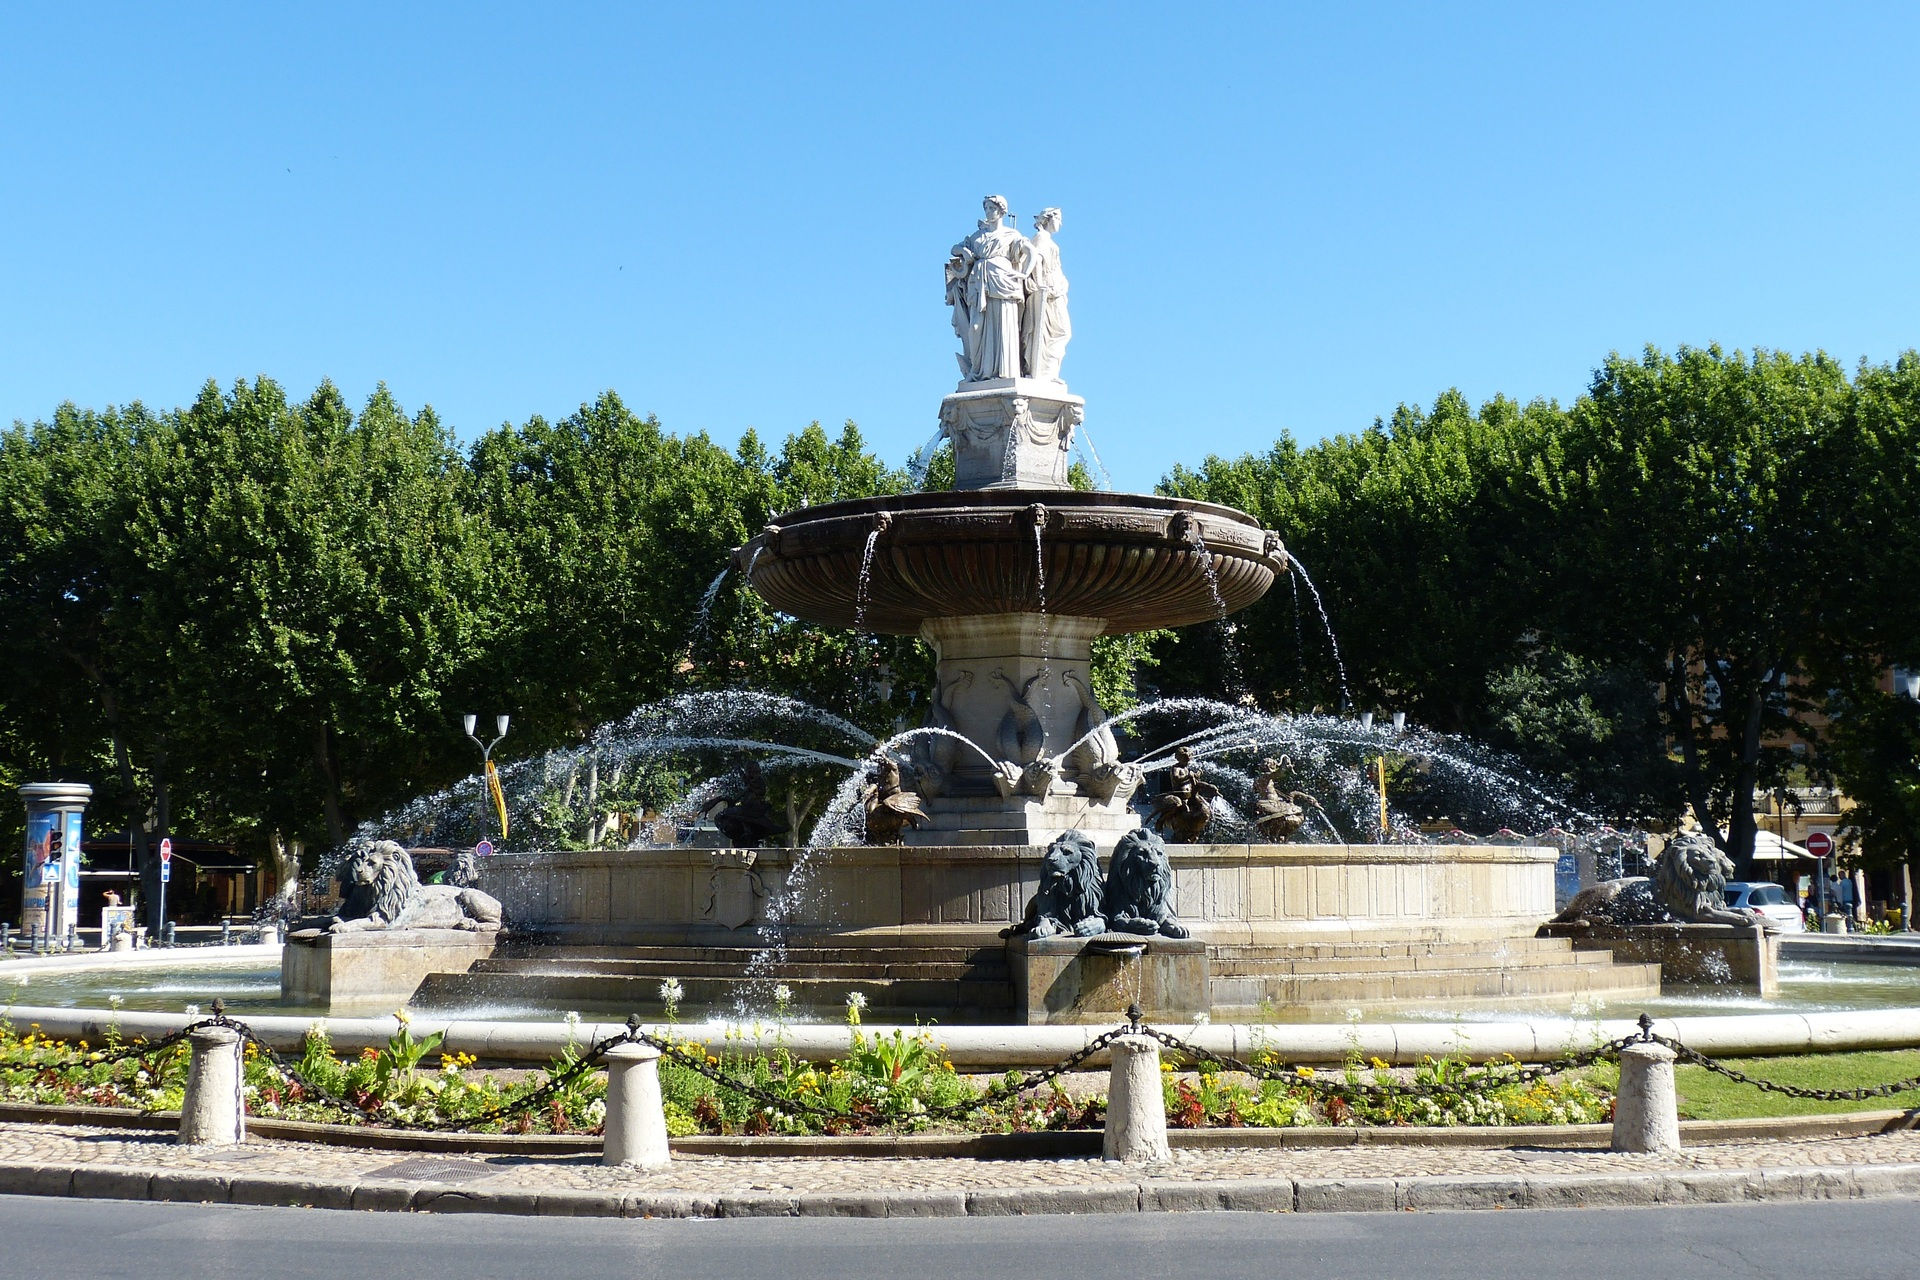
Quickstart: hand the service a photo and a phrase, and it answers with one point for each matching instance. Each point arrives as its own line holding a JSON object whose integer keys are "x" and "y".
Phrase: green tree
{"x": 323, "y": 577}
{"x": 1696, "y": 549}
{"x": 1871, "y": 747}
{"x": 1592, "y": 727}
{"x": 1424, "y": 535}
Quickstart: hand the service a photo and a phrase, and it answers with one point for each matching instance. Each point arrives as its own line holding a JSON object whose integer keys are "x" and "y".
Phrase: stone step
{"x": 800, "y": 952}
{"x": 1236, "y": 965}
{"x": 642, "y": 995}
{"x": 1321, "y": 990}
{"x": 800, "y": 968}
{"x": 1511, "y": 947}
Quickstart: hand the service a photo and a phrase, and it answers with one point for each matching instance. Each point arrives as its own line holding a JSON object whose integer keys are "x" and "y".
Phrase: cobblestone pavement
{"x": 59, "y": 1159}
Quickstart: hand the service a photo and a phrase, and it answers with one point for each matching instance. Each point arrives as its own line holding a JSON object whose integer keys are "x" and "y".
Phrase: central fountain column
{"x": 1019, "y": 685}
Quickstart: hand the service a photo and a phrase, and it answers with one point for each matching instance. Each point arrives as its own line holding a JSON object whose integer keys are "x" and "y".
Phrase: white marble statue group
{"x": 1009, "y": 298}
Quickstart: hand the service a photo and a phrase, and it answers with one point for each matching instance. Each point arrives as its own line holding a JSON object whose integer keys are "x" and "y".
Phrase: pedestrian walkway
{"x": 67, "y": 1160}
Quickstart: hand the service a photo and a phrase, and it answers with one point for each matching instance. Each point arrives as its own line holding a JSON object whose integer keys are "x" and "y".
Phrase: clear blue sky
{"x": 1275, "y": 218}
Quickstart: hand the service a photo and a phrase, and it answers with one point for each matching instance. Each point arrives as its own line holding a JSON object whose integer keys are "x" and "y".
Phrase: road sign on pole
{"x": 166, "y": 874}
{"x": 1819, "y": 844}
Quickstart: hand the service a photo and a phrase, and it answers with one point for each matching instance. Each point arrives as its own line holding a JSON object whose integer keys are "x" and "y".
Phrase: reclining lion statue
{"x": 1140, "y": 887}
{"x": 1069, "y": 896}
{"x": 380, "y": 890}
{"x": 1685, "y": 888}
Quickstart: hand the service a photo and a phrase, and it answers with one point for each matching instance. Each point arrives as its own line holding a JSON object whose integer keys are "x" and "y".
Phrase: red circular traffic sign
{"x": 1819, "y": 844}
{"x": 166, "y": 849}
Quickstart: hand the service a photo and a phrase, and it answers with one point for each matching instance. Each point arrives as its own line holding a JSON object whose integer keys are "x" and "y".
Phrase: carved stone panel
{"x": 734, "y": 889}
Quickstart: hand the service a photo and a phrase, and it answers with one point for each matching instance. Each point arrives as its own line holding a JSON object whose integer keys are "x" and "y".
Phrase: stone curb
{"x": 1255, "y": 1195}
{"x": 1029, "y": 1146}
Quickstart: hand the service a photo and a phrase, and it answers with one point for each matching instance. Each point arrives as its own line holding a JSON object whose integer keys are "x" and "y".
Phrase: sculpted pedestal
{"x": 1068, "y": 980}
{"x": 1011, "y": 433}
{"x": 376, "y": 970}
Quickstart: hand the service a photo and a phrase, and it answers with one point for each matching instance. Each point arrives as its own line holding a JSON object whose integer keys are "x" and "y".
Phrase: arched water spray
{"x": 1090, "y": 457}
{"x": 701, "y": 614}
{"x": 922, "y": 460}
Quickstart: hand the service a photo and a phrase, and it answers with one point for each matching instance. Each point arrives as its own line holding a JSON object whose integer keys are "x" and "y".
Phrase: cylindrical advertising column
{"x": 50, "y": 900}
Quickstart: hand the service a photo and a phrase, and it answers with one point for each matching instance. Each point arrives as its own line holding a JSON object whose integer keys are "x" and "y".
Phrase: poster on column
{"x": 36, "y": 894}
{"x": 72, "y": 890}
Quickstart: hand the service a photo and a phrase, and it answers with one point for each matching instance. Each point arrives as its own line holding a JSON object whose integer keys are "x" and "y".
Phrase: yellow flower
{"x": 1166, "y": 1066}
{"x": 1379, "y": 1064}
{"x": 1305, "y": 1073}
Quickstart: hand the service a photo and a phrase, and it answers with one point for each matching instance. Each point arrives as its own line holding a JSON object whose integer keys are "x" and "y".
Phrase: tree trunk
{"x": 329, "y": 784}
{"x": 286, "y": 867}
{"x": 1680, "y": 719}
{"x": 594, "y": 830}
{"x": 145, "y": 860}
{"x": 1741, "y": 828}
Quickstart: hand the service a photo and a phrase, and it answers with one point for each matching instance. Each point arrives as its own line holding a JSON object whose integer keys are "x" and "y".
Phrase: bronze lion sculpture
{"x": 1069, "y": 896}
{"x": 1685, "y": 888}
{"x": 1140, "y": 887}
{"x": 379, "y": 890}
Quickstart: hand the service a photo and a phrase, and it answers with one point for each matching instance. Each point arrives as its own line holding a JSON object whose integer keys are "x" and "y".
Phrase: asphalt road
{"x": 110, "y": 1238}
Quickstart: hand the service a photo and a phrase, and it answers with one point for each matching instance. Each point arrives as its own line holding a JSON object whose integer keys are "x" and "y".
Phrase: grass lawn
{"x": 1706, "y": 1096}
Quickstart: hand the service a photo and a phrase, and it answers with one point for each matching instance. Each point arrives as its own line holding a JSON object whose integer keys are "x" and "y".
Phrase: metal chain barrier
{"x": 143, "y": 1049}
{"x": 1865, "y": 1092}
{"x": 1001, "y": 1090}
{"x": 1347, "y": 1089}
{"x": 556, "y": 1084}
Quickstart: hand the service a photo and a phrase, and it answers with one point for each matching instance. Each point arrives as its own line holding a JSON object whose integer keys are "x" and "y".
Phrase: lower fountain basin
{"x": 957, "y": 895}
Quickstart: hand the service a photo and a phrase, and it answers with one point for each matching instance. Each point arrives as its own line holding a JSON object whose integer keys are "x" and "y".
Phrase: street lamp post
{"x": 1380, "y": 766}
{"x": 486, "y": 761}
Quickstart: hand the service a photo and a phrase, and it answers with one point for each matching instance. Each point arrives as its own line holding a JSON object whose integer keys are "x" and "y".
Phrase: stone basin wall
{"x": 1226, "y": 893}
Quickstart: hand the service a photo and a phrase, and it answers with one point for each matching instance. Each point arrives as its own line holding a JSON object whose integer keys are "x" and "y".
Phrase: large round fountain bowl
{"x": 1132, "y": 559}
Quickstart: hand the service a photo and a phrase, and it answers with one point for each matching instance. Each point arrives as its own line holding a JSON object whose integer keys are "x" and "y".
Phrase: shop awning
{"x": 1769, "y": 847}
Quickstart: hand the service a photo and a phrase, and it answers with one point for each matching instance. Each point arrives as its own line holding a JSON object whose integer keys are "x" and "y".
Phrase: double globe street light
{"x": 489, "y": 779}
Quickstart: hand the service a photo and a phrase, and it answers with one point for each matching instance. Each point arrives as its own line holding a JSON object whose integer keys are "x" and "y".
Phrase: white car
{"x": 1768, "y": 901}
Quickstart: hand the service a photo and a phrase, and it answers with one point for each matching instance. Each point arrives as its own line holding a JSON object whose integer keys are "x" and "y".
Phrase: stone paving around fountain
{"x": 117, "y": 1164}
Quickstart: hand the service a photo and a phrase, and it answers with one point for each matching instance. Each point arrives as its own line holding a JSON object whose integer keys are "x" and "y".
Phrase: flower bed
{"x": 899, "y": 1082}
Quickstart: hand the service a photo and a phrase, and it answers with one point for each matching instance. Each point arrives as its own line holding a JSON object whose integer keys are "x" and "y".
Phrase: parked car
{"x": 1768, "y": 900}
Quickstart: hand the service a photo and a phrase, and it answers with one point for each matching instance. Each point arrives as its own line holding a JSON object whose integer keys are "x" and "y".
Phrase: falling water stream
{"x": 706, "y": 605}
{"x": 1230, "y": 643}
{"x": 1333, "y": 641}
{"x": 864, "y": 586}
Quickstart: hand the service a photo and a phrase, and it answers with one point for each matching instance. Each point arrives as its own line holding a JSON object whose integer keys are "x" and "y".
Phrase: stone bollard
{"x": 1136, "y": 1105}
{"x": 636, "y": 1124}
{"x": 1646, "y": 1112}
{"x": 1834, "y": 922}
{"x": 210, "y": 1113}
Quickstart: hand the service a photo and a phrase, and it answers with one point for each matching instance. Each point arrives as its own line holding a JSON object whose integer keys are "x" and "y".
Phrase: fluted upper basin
{"x": 1132, "y": 559}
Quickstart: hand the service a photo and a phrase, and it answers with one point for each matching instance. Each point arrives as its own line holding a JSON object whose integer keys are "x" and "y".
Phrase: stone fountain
{"x": 1011, "y": 576}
